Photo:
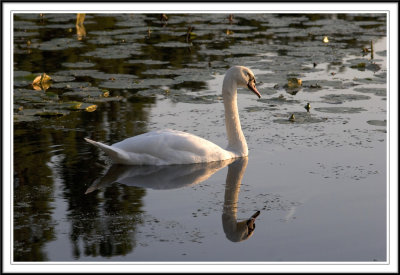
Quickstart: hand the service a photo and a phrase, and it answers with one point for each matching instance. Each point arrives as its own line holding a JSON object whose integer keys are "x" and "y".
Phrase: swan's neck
{"x": 236, "y": 140}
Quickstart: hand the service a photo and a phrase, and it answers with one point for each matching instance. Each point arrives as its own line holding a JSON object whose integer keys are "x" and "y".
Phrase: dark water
{"x": 319, "y": 181}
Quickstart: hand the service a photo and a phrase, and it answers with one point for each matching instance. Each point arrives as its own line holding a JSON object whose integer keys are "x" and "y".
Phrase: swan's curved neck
{"x": 236, "y": 140}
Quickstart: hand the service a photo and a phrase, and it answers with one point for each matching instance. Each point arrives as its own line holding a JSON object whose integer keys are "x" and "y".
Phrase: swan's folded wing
{"x": 114, "y": 153}
{"x": 174, "y": 147}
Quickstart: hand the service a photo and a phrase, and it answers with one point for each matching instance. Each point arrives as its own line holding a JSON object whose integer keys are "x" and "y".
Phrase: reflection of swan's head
{"x": 238, "y": 231}
{"x": 243, "y": 77}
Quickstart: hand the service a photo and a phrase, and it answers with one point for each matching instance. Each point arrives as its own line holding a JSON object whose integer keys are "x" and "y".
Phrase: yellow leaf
{"x": 294, "y": 82}
{"x": 91, "y": 108}
{"x": 106, "y": 93}
{"x": 326, "y": 40}
{"x": 41, "y": 82}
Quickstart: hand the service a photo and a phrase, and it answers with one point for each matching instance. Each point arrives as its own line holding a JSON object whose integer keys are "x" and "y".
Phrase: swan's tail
{"x": 117, "y": 155}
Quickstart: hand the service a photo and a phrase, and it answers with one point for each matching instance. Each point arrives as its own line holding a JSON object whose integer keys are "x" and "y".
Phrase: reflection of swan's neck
{"x": 235, "y": 231}
{"x": 236, "y": 140}
{"x": 233, "y": 180}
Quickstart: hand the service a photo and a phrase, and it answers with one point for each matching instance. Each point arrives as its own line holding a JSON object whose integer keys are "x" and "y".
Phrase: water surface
{"x": 319, "y": 181}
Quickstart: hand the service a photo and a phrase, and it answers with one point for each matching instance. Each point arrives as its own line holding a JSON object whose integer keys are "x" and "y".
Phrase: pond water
{"x": 319, "y": 181}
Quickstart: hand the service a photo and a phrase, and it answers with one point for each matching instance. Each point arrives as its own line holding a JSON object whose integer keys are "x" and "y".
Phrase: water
{"x": 319, "y": 181}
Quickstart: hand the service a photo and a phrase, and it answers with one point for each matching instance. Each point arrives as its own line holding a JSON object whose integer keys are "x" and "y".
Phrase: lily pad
{"x": 280, "y": 100}
{"x": 58, "y": 44}
{"x": 376, "y": 91}
{"x": 382, "y": 53}
{"x": 377, "y": 122}
{"x": 70, "y": 85}
{"x": 63, "y": 78}
{"x": 340, "y": 98}
{"x": 78, "y": 64}
{"x": 79, "y": 94}
{"x": 371, "y": 80}
{"x": 51, "y": 113}
{"x": 31, "y": 96}
{"x": 252, "y": 109}
{"x": 114, "y": 51}
{"x": 25, "y": 118}
{"x": 196, "y": 99}
{"x": 340, "y": 110}
{"x": 147, "y": 62}
{"x": 103, "y": 99}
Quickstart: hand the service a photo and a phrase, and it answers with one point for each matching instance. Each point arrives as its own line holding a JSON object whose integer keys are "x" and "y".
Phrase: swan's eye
{"x": 251, "y": 79}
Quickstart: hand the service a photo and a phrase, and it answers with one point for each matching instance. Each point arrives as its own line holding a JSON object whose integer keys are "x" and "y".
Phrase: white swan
{"x": 166, "y": 147}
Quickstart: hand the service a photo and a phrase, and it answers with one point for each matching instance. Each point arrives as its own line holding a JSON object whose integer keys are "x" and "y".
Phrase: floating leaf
{"x": 340, "y": 110}
{"x": 373, "y": 67}
{"x": 102, "y": 99}
{"x": 340, "y": 98}
{"x": 41, "y": 82}
{"x": 360, "y": 65}
{"x": 105, "y": 93}
{"x": 51, "y": 113}
{"x": 91, "y": 108}
{"x": 377, "y": 122}
{"x": 294, "y": 83}
{"x": 325, "y": 40}
{"x": 72, "y": 105}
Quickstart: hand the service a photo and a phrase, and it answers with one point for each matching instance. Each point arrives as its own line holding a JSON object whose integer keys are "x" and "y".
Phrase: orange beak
{"x": 252, "y": 86}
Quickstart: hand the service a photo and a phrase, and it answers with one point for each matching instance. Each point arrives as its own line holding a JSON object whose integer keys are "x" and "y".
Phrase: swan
{"x": 167, "y": 147}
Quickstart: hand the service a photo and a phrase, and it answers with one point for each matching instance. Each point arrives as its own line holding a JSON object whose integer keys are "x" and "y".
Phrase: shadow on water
{"x": 178, "y": 176}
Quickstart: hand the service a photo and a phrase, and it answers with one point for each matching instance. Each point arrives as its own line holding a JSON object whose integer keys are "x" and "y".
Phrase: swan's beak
{"x": 252, "y": 87}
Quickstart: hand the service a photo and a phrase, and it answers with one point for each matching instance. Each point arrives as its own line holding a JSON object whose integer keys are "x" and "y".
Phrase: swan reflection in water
{"x": 236, "y": 231}
{"x": 178, "y": 176}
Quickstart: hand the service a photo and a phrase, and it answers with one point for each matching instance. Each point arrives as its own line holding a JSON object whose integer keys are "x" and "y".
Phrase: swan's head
{"x": 244, "y": 78}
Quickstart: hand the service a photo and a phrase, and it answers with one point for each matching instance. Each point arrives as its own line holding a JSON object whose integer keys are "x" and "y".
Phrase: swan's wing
{"x": 125, "y": 157}
{"x": 172, "y": 147}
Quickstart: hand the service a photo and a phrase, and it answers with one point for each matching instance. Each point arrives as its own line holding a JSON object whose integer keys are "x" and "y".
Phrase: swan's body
{"x": 167, "y": 147}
